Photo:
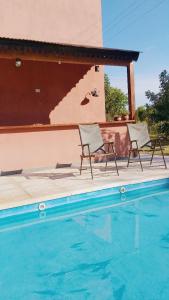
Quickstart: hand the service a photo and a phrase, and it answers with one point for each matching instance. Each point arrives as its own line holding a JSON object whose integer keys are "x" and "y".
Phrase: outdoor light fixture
{"x": 97, "y": 68}
{"x": 95, "y": 93}
{"x": 18, "y": 63}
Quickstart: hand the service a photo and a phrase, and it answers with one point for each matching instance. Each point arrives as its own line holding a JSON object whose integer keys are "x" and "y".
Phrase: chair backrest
{"x": 90, "y": 134}
{"x": 140, "y": 133}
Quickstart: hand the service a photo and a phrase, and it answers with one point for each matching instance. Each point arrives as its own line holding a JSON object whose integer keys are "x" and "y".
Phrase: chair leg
{"x": 115, "y": 161}
{"x": 129, "y": 158}
{"x": 163, "y": 156}
{"x": 106, "y": 163}
{"x": 140, "y": 160}
{"x": 152, "y": 156}
{"x": 91, "y": 169}
{"x": 81, "y": 164}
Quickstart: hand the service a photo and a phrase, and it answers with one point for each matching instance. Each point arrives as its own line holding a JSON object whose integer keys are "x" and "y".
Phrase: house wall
{"x": 49, "y": 93}
{"x": 26, "y": 150}
{"x": 60, "y": 21}
{"x": 64, "y": 88}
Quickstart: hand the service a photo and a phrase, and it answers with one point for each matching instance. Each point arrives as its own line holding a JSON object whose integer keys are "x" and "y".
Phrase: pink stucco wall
{"x": 49, "y": 93}
{"x": 47, "y": 148}
{"x": 63, "y": 89}
{"x": 62, "y": 21}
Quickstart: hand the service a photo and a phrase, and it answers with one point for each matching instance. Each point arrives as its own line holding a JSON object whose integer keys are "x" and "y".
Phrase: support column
{"x": 131, "y": 90}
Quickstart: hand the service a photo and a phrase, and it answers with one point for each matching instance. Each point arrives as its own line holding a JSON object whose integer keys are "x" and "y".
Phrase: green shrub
{"x": 161, "y": 128}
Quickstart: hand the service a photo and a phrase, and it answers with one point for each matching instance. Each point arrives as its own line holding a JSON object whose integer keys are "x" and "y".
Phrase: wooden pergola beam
{"x": 7, "y": 54}
{"x": 131, "y": 90}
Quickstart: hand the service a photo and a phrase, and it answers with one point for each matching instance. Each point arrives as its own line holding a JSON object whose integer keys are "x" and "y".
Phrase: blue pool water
{"x": 108, "y": 247}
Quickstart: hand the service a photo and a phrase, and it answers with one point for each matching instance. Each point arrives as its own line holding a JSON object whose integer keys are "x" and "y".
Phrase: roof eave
{"x": 38, "y": 50}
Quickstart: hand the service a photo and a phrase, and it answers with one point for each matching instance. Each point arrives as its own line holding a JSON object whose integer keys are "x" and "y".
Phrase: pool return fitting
{"x": 42, "y": 206}
{"x": 122, "y": 190}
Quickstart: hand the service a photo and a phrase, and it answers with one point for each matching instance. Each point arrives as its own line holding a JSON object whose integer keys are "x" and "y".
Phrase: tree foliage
{"x": 116, "y": 100}
{"x": 158, "y": 108}
{"x": 159, "y": 102}
{"x": 141, "y": 114}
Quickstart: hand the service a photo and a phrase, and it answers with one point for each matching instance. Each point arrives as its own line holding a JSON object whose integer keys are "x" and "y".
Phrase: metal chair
{"x": 92, "y": 145}
{"x": 139, "y": 139}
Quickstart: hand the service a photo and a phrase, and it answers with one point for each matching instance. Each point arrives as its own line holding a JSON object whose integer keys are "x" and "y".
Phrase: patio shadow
{"x": 52, "y": 176}
{"x": 29, "y": 94}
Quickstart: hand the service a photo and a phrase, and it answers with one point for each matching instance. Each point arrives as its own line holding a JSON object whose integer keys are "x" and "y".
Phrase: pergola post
{"x": 131, "y": 90}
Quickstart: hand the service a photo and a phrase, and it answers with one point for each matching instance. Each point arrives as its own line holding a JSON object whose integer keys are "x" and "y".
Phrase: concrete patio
{"x": 36, "y": 186}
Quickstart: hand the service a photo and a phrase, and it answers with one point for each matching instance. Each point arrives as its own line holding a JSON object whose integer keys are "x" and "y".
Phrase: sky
{"x": 142, "y": 26}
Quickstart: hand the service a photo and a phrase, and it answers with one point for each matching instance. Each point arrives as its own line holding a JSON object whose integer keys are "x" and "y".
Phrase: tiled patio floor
{"x": 37, "y": 186}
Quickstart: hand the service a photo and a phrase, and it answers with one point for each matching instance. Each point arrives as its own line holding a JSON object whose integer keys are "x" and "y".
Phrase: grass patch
{"x": 166, "y": 150}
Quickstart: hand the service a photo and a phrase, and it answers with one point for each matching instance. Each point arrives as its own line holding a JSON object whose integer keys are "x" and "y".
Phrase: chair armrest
{"x": 157, "y": 141}
{"x": 109, "y": 147}
{"x": 136, "y": 143}
{"x": 88, "y": 148}
{"x": 108, "y": 143}
{"x": 132, "y": 141}
{"x": 83, "y": 145}
{"x": 157, "y": 138}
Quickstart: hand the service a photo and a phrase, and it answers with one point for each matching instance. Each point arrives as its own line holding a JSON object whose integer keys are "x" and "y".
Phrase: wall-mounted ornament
{"x": 97, "y": 68}
{"x": 18, "y": 63}
{"x": 95, "y": 93}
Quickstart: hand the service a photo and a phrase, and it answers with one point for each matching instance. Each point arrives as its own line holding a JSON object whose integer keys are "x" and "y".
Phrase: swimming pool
{"x": 111, "y": 244}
